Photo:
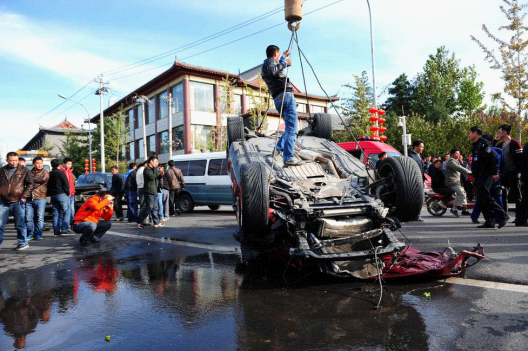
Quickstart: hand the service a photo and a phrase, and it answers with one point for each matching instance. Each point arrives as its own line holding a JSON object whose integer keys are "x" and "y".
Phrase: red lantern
{"x": 373, "y": 118}
{"x": 374, "y": 136}
{"x": 383, "y": 138}
{"x": 374, "y": 129}
{"x": 381, "y": 112}
{"x": 373, "y": 110}
{"x": 382, "y": 120}
{"x": 382, "y": 129}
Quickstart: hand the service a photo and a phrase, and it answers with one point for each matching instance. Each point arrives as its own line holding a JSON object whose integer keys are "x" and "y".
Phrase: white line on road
{"x": 488, "y": 284}
{"x": 177, "y": 242}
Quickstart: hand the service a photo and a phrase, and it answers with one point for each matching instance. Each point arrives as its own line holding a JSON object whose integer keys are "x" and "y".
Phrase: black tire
{"x": 235, "y": 130}
{"x": 323, "y": 125}
{"x": 185, "y": 203}
{"x": 213, "y": 207}
{"x": 254, "y": 199}
{"x": 405, "y": 194}
{"x": 434, "y": 209}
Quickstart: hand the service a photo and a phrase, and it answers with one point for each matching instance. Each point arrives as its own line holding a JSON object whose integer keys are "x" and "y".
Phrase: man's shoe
{"x": 30, "y": 237}
{"x": 454, "y": 211}
{"x": 294, "y": 162}
{"x": 39, "y": 237}
{"x": 442, "y": 204}
{"x": 139, "y": 225}
{"x": 120, "y": 219}
{"x": 507, "y": 217}
{"x": 178, "y": 212}
{"x": 46, "y": 229}
{"x": 475, "y": 221}
{"x": 68, "y": 233}
{"x": 83, "y": 242}
{"x": 94, "y": 240}
{"x": 465, "y": 213}
{"x": 21, "y": 247}
{"x": 502, "y": 223}
{"x": 521, "y": 224}
{"x": 419, "y": 219}
{"x": 487, "y": 225}
{"x": 164, "y": 220}
{"x": 159, "y": 225}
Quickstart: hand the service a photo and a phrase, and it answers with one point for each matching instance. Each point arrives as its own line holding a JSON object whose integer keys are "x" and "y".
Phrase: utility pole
{"x": 170, "y": 101}
{"x": 101, "y": 92}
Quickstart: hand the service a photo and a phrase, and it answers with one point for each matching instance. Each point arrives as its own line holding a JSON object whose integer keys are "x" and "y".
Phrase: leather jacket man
{"x": 40, "y": 179}
{"x": 275, "y": 77}
{"x": 19, "y": 186}
{"x": 175, "y": 178}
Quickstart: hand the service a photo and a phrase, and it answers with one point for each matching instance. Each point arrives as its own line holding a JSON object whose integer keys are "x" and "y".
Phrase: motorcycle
{"x": 434, "y": 208}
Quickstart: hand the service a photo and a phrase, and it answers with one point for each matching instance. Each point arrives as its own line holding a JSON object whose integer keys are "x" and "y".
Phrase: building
{"x": 50, "y": 139}
{"x": 199, "y": 110}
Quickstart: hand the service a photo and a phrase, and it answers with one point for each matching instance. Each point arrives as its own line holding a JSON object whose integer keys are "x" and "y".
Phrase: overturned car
{"x": 331, "y": 213}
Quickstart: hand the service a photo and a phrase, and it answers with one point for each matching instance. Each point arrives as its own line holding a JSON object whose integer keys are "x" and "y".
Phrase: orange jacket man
{"x": 93, "y": 218}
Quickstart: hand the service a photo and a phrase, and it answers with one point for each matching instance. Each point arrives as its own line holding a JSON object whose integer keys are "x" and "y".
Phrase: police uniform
{"x": 484, "y": 167}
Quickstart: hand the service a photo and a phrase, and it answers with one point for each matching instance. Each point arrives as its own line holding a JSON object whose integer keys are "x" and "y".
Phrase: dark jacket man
{"x": 40, "y": 179}
{"x": 175, "y": 178}
{"x": 151, "y": 177}
{"x": 275, "y": 77}
{"x": 58, "y": 183}
{"x": 19, "y": 185}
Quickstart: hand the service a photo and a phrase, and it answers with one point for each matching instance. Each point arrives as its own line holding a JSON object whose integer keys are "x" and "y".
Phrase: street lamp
{"x": 89, "y": 126}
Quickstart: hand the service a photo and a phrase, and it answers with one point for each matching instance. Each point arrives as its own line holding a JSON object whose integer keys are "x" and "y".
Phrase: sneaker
{"x": 139, "y": 225}
{"x": 30, "y": 237}
{"x": 475, "y": 221}
{"x": 39, "y": 237}
{"x": 502, "y": 223}
{"x": 164, "y": 220}
{"x": 294, "y": 162}
{"x": 21, "y": 247}
{"x": 120, "y": 219}
{"x": 465, "y": 213}
{"x": 178, "y": 212}
{"x": 487, "y": 225}
{"x": 94, "y": 240}
{"x": 442, "y": 204}
{"x": 419, "y": 219}
{"x": 159, "y": 225}
{"x": 454, "y": 211}
{"x": 83, "y": 242}
{"x": 68, "y": 233}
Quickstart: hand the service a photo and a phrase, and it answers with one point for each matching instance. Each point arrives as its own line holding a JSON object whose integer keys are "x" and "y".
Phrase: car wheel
{"x": 434, "y": 208}
{"x": 254, "y": 199}
{"x": 185, "y": 203}
{"x": 323, "y": 125}
{"x": 403, "y": 188}
{"x": 213, "y": 207}
{"x": 235, "y": 130}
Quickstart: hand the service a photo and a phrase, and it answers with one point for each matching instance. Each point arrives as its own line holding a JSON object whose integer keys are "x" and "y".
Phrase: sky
{"x": 60, "y": 47}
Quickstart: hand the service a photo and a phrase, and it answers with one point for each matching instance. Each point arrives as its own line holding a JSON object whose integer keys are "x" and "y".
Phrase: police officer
{"x": 485, "y": 173}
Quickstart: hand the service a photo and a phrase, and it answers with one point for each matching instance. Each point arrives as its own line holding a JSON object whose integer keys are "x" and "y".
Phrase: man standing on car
{"x": 59, "y": 190}
{"x": 282, "y": 92}
{"x": 131, "y": 193}
{"x": 118, "y": 191}
{"x": 67, "y": 168}
{"x": 176, "y": 182}
{"x": 485, "y": 173}
{"x": 16, "y": 185}
{"x": 151, "y": 176}
{"x": 36, "y": 203}
{"x": 418, "y": 148}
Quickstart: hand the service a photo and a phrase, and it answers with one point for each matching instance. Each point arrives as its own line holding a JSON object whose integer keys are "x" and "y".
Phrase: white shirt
{"x": 139, "y": 178}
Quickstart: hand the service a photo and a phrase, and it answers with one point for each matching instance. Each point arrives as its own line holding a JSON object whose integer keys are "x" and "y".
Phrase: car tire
{"x": 254, "y": 199}
{"x": 323, "y": 125}
{"x": 404, "y": 195}
{"x": 434, "y": 208}
{"x": 185, "y": 203}
{"x": 213, "y": 207}
{"x": 235, "y": 130}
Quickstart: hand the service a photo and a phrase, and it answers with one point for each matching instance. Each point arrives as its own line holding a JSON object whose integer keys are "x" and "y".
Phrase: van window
{"x": 183, "y": 166}
{"x": 197, "y": 168}
{"x": 217, "y": 167}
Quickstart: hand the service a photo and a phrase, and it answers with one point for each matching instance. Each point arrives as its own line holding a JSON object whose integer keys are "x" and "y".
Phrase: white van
{"x": 207, "y": 182}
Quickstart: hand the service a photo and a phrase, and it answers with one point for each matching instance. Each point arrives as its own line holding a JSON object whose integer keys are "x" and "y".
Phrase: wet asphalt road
{"x": 181, "y": 287}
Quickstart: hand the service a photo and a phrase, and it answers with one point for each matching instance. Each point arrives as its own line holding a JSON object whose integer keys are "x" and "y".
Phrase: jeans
{"x": 286, "y": 143}
{"x": 89, "y": 229}
{"x": 160, "y": 206}
{"x": 71, "y": 208}
{"x": 173, "y": 196}
{"x": 35, "y": 217}
{"x": 511, "y": 184}
{"x": 151, "y": 207}
{"x": 489, "y": 207}
{"x": 19, "y": 212}
{"x": 132, "y": 206}
{"x": 166, "y": 196}
{"x": 61, "y": 218}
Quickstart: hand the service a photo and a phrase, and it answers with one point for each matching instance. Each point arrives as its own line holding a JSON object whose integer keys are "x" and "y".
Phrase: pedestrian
{"x": 131, "y": 193}
{"x": 140, "y": 182}
{"x": 453, "y": 170}
{"x": 93, "y": 218}
{"x": 427, "y": 163}
{"x": 117, "y": 190}
{"x": 485, "y": 173}
{"x": 381, "y": 156}
{"x": 151, "y": 176}
{"x": 446, "y": 157}
{"x": 418, "y": 147}
{"x": 176, "y": 183}
{"x": 165, "y": 191}
{"x": 438, "y": 183}
{"x": 36, "y": 203}
{"x": 131, "y": 167}
{"x": 521, "y": 211}
{"x": 281, "y": 89}
{"x": 22, "y": 161}
{"x": 67, "y": 168}
{"x": 16, "y": 185}
{"x": 59, "y": 191}
{"x": 511, "y": 149}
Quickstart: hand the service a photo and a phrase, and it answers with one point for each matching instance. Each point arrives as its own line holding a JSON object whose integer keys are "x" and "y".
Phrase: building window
{"x": 140, "y": 116}
{"x": 301, "y": 108}
{"x": 132, "y": 151}
{"x": 237, "y": 104}
{"x": 177, "y": 138}
{"x": 163, "y": 142}
{"x": 130, "y": 120}
{"x": 151, "y": 145}
{"x": 163, "y": 105}
{"x": 201, "y": 96}
{"x": 177, "y": 95}
{"x": 151, "y": 111}
{"x": 141, "y": 149}
{"x": 317, "y": 109}
{"x": 201, "y": 137}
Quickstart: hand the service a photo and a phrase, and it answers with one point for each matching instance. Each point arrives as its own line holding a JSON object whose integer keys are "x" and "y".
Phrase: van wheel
{"x": 213, "y": 207}
{"x": 185, "y": 203}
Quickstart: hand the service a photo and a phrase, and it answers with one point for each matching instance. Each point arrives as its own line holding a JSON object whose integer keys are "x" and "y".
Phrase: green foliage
{"x": 470, "y": 94}
{"x": 356, "y": 108}
{"x": 75, "y": 147}
{"x": 226, "y": 102}
{"x": 402, "y": 95}
{"x": 259, "y": 104}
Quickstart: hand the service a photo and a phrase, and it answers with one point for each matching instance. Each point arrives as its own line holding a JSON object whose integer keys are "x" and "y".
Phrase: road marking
{"x": 177, "y": 242}
{"x": 488, "y": 284}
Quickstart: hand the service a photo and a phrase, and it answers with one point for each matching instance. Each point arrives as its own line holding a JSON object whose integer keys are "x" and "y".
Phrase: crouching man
{"x": 88, "y": 221}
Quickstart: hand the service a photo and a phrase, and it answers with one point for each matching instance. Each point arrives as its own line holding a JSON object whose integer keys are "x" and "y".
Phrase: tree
{"x": 436, "y": 97}
{"x": 259, "y": 103}
{"x": 115, "y": 138}
{"x": 513, "y": 59}
{"x": 356, "y": 108}
{"x": 402, "y": 95}
{"x": 226, "y": 104}
{"x": 469, "y": 92}
{"x": 76, "y": 147}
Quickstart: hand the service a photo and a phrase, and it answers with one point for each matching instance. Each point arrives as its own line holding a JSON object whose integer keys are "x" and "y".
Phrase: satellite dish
{"x": 112, "y": 101}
